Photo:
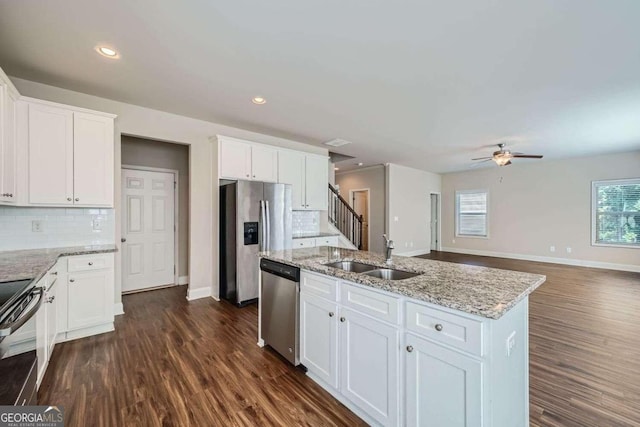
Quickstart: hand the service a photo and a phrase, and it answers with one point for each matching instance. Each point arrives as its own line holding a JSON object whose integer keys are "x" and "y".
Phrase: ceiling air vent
{"x": 337, "y": 142}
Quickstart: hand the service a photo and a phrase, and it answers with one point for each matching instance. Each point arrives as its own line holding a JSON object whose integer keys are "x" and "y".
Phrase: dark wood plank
{"x": 584, "y": 343}
{"x": 171, "y": 362}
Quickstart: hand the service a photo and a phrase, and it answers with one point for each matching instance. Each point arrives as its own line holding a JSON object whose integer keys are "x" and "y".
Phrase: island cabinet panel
{"x": 442, "y": 387}
{"x": 319, "y": 337}
{"x": 381, "y": 306}
{"x": 369, "y": 363}
{"x": 326, "y": 287}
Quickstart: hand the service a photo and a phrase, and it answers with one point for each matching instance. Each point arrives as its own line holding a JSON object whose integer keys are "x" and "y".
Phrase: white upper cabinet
{"x": 8, "y": 159}
{"x": 291, "y": 168}
{"x": 248, "y": 161}
{"x": 316, "y": 183}
{"x": 92, "y": 160}
{"x": 70, "y": 156}
{"x": 50, "y": 155}
{"x": 308, "y": 175}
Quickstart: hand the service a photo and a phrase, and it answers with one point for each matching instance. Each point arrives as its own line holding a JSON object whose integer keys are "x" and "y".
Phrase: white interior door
{"x": 435, "y": 227}
{"x": 148, "y": 229}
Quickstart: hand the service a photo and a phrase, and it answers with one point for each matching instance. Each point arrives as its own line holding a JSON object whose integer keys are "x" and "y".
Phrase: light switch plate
{"x": 36, "y": 226}
{"x": 97, "y": 225}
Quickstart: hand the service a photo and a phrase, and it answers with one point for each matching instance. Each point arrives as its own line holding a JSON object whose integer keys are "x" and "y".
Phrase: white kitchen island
{"x": 445, "y": 348}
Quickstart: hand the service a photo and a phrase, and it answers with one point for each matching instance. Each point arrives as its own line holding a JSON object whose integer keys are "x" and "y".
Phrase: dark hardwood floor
{"x": 176, "y": 363}
{"x": 584, "y": 343}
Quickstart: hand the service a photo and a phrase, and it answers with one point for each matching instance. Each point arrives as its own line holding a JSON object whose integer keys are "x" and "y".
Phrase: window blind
{"x": 617, "y": 212}
{"x": 471, "y": 212}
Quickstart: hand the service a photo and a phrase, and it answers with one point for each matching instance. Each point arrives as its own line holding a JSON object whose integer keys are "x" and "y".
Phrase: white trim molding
{"x": 193, "y": 294}
{"x": 552, "y": 260}
{"x": 118, "y": 309}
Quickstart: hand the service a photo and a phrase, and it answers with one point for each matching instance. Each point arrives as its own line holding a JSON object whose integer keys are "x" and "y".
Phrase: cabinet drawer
{"x": 327, "y": 241}
{"x": 323, "y": 286}
{"x": 447, "y": 328}
{"x": 304, "y": 243}
{"x": 381, "y": 306}
{"x": 88, "y": 263}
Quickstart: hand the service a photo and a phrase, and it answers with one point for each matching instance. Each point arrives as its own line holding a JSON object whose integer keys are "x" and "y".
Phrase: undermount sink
{"x": 390, "y": 274}
{"x": 352, "y": 266}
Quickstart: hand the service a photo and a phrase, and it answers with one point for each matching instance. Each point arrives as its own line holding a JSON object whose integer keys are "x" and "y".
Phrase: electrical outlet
{"x": 552, "y": 248}
{"x": 395, "y": 219}
{"x": 453, "y": 241}
{"x": 97, "y": 225}
{"x": 406, "y": 244}
{"x": 568, "y": 249}
{"x": 511, "y": 343}
{"x": 36, "y": 226}
{"x": 410, "y": 244}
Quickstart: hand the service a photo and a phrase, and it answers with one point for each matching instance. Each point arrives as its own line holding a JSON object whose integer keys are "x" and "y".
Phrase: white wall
{"x": 535, "y": 205}
{"x": 153, "y": 124}
{"x": 372, "y": 178}
{"x": 409, "y": 208}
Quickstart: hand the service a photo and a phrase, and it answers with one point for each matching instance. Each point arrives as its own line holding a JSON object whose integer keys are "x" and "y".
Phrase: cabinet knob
{"x": 331, "y": 314}
{"x": 10, "y": 195}
{"x": 409, "y": 348}
{"x": 69, "y": 199}
{"x": 438, "y": 327}
{"x": 90, "y": 263}
{"x": 77, "y": 200}
{"x": 247, "y": 175}
{"x": 123, "y": 240}
{"x": 50, "y": 299}
{"x": 342, "y": 319}
{"x": 254, "y": 176}
{"x": 71, "y": 280}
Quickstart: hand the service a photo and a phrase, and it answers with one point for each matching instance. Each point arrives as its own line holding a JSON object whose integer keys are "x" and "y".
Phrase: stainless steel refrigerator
{"x": 254, "y": 216}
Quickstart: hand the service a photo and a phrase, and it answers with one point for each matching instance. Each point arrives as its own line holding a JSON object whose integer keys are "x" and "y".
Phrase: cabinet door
{"x": 291, "y": 171}
{"x": 8, "y": 158}
{"x": 50, "y": 155}
{"x": 316, "y": 183}
{"x": 235, "y": 160}
{"x": 319, "y": 337}
{"x": 443, "y": 387}
{"x": 369, "y": 365}
{"x": 264, "y": 163}
{"x": 90, "y": 299}
{"x": 93, "y": 160}
{"x": 51, "y": 302}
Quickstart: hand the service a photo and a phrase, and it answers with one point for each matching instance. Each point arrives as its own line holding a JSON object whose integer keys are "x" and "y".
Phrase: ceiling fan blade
{"x": 483, "y": 158}
{"x": 528, "y": 156}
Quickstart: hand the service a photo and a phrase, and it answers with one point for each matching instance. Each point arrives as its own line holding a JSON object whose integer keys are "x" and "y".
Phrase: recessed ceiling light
{"x": 337, "y": 142}
{"x": 258, "y": 100}
{"x": 360, "y": 163}
{"x": 336, "y": 169}
{"x": 107, "y": 52}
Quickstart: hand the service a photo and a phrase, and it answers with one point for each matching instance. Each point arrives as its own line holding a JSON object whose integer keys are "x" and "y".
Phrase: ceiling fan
{"x": 503, "y": 157}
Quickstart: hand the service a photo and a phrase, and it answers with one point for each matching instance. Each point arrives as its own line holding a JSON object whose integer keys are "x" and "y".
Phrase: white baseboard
{"x": 193, "y": 294}
{"x": 86, "y": 332}
{"x": 183, "y": 280}
{"x": 553, "y": 260}
{"x": 414, "y": 253}
{"x": 118, "y": 309}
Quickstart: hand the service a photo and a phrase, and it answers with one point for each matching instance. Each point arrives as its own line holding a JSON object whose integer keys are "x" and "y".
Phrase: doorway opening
{"x": 360, "y": 202}
{"x": 435, "y": 221}
{"x": 155, "y": 214}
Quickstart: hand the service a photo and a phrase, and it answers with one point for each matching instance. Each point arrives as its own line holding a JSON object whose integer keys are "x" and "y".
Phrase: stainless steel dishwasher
{"x": 280, "y": 307}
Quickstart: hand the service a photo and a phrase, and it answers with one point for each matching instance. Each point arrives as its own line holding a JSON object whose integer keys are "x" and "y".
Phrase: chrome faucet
{"x": 388, "y": 244}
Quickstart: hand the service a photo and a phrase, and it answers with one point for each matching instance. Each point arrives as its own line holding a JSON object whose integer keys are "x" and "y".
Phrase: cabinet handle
{"x": 54, "y": 273}
{"x": 69, "y": 199}
{"x": 409, "y": 348}
{"x": 438, "y": 327}
{"x": 331, "y": 314}
{"x": 71, "y": 280}
{"x": 77, "y": 199}
{"x": 90, "y": 263}
{"x": 342, "y": 319}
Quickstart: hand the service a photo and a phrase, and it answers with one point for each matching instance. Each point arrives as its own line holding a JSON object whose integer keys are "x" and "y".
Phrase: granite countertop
{"x": 315, "y": 234}
{"x": 34, "y": 263}
{"x": 486, "y": 292}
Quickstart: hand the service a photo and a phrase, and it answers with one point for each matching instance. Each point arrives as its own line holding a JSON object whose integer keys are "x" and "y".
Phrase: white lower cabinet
{"x": 46, "y": 322}
{"x": 442, "y": 387}
{"x": 369, "y": 365}
{"x": 90, "y": 299}
{"x": 319, "y": 337}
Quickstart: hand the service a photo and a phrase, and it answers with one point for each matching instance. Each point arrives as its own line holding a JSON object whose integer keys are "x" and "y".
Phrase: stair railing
{"x": 344, "y": 218}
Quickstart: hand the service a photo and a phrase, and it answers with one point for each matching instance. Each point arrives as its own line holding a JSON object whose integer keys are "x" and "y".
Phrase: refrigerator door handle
{"x": 268, "y": 223}
{"x": 262, "y": 229}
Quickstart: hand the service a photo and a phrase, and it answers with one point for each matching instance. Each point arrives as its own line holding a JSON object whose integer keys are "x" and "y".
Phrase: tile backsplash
{"x": 60, "y": 227}
{"x": 306, "y": 222}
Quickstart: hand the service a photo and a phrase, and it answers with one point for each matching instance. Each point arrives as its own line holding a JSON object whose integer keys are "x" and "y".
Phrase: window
{"x": 471, "y": 213}
{"x": 616, "y": 213}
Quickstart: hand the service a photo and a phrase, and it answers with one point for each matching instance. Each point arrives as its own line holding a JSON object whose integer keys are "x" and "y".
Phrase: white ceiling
{"x": 421, "y": 83}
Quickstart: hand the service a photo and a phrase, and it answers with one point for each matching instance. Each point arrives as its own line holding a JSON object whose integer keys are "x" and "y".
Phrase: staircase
{"x": 344, "y": 218}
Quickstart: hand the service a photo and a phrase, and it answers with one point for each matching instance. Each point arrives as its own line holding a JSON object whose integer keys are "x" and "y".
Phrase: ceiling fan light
{"x": 502, "y": 160}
